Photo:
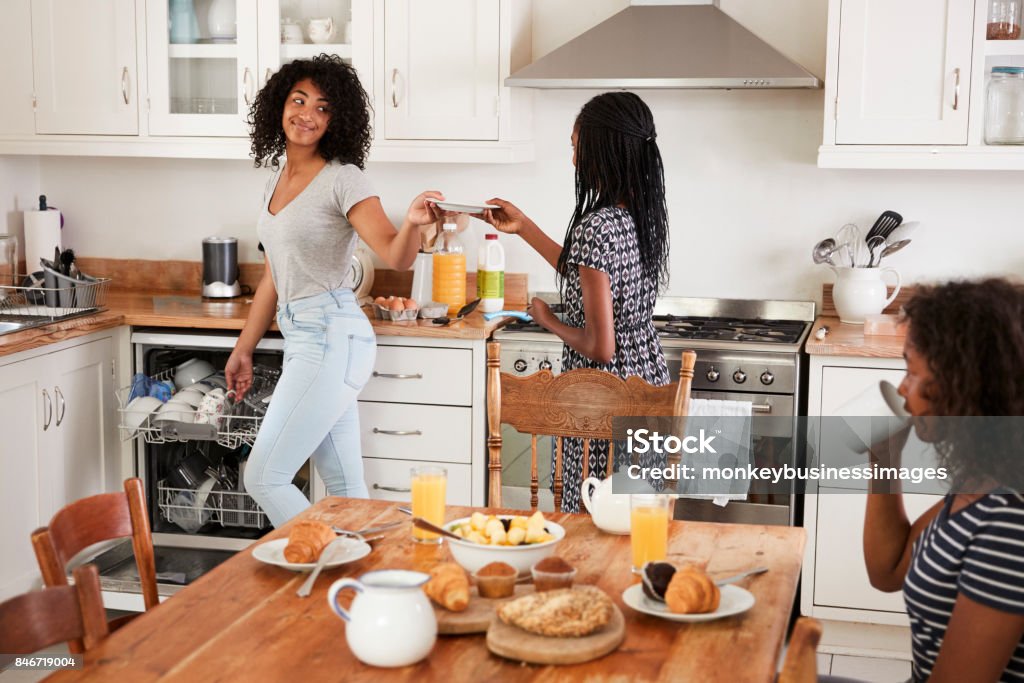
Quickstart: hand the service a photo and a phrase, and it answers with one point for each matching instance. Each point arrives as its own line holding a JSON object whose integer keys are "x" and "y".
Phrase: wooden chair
{"x": 91, "y": 520}
{"x": 801, "y": 662}
{"x": 579, "y": 403}
{"x": 33, "y": 621}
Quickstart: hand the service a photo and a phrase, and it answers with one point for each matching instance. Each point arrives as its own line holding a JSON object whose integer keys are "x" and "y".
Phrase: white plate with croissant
{"x": 734, "y": 600}
{"x": 344, "y": 551}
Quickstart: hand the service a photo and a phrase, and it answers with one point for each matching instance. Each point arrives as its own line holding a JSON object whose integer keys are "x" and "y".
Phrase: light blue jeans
{"x": 329, "y": 349}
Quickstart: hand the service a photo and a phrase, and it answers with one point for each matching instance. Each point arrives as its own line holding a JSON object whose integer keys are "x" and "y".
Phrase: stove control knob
{"x": 519, "y": 365}
{"x": 545, "y": 365}
{"x": 712, "y": 374}
{"x": 767, "y": 377}
{"x": 739, "y": 377}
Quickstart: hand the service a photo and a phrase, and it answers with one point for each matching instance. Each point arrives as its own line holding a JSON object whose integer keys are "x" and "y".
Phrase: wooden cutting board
{"x": 513, "y": 642}
{"x": 477, "y": 617}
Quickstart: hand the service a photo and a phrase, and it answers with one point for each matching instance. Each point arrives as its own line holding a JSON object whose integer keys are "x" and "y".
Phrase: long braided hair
{"x": 618, "y": 162}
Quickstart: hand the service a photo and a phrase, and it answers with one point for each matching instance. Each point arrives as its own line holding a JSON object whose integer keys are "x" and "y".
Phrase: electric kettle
{"x": 220, "y": 268}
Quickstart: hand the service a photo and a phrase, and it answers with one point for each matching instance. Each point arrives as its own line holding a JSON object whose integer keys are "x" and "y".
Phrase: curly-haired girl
{"x": 961, "y": 564}
{"x": 316, "y": 205}
{"x": 613, "y": 260}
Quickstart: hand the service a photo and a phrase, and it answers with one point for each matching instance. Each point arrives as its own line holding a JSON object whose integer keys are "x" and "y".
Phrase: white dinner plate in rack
{"x": 464, "y": 207}
{"x": 343, "y": 551}
{"x": 735, "y": 600}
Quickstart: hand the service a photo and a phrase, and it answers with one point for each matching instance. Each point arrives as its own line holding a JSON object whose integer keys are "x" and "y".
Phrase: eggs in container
{"x": 395, "y": 308}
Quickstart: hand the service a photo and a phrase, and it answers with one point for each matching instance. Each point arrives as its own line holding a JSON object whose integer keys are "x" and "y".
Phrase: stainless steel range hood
{"x": 665, "y": 46}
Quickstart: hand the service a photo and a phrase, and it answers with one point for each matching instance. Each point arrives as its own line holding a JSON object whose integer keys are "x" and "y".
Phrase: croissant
{"x": 306, "y": 540}
{"x": 448, "y": 587}
{"x": 691, "y": 591}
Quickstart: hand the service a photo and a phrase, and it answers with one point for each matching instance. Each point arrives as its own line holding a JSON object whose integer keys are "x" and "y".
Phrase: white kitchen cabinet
{"x": 834, "y": 583}
{"x": 441, "y": 63}
{"x": 59, "y": 426}
{"x": 905, "y": 86}
{"x": 888, "y": 93}
{"x": 85, "y": 67}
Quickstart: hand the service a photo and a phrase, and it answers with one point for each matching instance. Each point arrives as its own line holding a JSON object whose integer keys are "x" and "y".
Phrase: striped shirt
{"x": 977, "y": 551}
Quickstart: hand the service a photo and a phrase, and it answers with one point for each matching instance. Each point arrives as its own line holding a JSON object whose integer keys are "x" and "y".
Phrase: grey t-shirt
{"x": 310, "y": 241}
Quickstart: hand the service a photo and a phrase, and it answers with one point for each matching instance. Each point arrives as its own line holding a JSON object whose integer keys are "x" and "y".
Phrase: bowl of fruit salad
{"x": 516, "y": 540}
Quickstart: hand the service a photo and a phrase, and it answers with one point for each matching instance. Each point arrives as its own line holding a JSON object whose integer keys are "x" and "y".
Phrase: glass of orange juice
{"x": 428, "y": 494}
{"x": 648, "y": 527}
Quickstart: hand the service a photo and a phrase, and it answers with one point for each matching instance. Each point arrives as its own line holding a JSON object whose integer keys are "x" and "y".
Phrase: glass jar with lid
{"x": 1004, "y": 18}
{"x": 1004, "y": 106}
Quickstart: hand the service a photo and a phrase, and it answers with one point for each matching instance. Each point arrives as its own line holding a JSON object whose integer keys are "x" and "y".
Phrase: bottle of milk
{"x": 490, "y": 275}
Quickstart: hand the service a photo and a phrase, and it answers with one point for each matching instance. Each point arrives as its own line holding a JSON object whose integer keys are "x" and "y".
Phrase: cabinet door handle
{"x": 394, "y": 90}
{"x": 392, "y": 375}
{"x": 60, "y": 405}
{"x": 393, "y": 432}
{"x": 956, "y": 89}
{"x": 124, "y": 84}
{"x": 49, "y": 409}
{"x": 247, "y": 86}
{"x": 392, "y": 489}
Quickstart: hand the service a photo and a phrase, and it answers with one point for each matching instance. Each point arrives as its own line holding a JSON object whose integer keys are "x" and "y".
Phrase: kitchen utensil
{"x": 874, "y": 242}
{"x": 734, "y": 600}
{"x": 742, "y": 575}
{"x": 307, "y": 586}
{"x": 463, "y": 312}
{"x": 390, "y": 622}
{"x": 369, "y": 530}
{"x": 823, "y": 250}
{"x": 893, "y": 248}
{"x": 220, "y": 267}
{"x": 514, "y": 643}
{"x": 518, "y": 315}
{"x": 67, "y": 257}
{"x": 849, "y": 240}
{"x": 884, "y": 224}
{"x": 904, "y": 231}
{"x": 421, "y": 523}
{"x": 463, "y": 207}
{"x": 402, "y": 508}
{"x": 191, "y": 371}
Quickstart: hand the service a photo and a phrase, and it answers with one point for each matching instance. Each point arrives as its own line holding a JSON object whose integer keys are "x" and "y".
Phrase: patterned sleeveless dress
{"x": 606, "y": 240}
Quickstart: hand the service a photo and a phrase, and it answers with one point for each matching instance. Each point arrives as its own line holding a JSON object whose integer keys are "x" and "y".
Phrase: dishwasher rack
{"x": 238, "y": 425}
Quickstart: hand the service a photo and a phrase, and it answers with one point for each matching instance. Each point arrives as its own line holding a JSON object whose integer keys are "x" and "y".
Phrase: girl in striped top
{"x": 961, "y": 564}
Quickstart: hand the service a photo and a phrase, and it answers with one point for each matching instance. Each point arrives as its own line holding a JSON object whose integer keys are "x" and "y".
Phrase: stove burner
{"x": 726, "y": 329}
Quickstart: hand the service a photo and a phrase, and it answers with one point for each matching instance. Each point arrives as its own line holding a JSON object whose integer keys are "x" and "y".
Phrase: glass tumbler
{"x": 648, "y": 527}
{"x": 428, "y": 497}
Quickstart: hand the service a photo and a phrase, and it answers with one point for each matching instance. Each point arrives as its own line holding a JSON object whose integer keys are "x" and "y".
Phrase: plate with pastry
{"x": 687, "y": 594}
{"x": 307, "y": 539}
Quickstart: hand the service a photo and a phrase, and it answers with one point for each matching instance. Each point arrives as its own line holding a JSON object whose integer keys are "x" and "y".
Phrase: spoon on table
{"x": 421, "y": 523}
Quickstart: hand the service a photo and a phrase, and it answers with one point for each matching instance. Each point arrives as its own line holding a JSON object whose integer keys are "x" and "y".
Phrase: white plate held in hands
{"x": 735, "y": 600}
{"x": 464, "y": 207}
{"x": 343, "y": 552}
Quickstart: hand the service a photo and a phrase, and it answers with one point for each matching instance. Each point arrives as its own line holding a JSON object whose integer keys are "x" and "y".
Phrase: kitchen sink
{"x": 10, "y": 322}
{"x": 6, "y": 327}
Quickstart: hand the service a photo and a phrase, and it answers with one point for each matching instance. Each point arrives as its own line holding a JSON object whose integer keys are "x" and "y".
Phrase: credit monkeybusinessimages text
{"x": 683, "y": 472}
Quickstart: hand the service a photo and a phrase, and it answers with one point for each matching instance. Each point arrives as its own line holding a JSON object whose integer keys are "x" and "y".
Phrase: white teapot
{"x": 610, "y": 511}
{"x": 390, "y": 622}
{"x": 321, "y": 30}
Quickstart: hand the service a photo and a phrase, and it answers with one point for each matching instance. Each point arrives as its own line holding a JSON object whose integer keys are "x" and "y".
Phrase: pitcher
{"x": 860, "y": 292}
{"x": 610, "y": 511}
{"x": 390, "y": 622}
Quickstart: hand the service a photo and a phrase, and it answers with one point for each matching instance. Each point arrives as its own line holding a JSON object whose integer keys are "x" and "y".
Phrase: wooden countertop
{"x": 845, "y": 339}
{"x": 189, "y": 310}
{"x": 243, "y": 620}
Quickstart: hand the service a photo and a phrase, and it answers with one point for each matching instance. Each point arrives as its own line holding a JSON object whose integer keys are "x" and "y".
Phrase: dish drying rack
{"x": 227, "y": 508}
{"x": 49, "y": 304}
{"x": 238, "y": 425}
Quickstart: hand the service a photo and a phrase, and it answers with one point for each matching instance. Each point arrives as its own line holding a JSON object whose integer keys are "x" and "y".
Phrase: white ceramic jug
{"x": 390, "y": 622}
{"x": 610, "y": 511}
{"x": 860, "y": 292}
{"x": 321, "y": 30}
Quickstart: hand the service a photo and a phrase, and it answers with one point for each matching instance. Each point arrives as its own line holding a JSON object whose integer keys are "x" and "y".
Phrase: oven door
{"x": 772, "y": 444}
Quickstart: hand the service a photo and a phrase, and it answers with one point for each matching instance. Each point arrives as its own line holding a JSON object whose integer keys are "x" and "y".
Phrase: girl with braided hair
{"x": 613, "y": 260}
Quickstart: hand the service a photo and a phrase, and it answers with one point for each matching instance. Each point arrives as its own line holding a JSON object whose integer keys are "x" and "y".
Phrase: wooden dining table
{"x": 244, "y": 621}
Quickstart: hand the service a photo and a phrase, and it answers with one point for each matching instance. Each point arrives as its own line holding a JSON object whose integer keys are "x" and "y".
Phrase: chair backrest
{"x": 801, "y": 662}
{"x": 579, "y": 403}
{"x": 33, "y": 621}
{"x": 102, "y": 517}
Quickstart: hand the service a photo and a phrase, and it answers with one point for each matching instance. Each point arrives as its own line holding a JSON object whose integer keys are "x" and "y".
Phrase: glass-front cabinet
{"x": 208, "y": 58}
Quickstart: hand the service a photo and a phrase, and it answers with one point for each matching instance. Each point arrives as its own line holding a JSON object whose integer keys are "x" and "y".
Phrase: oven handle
{"x": 761, "y": 407}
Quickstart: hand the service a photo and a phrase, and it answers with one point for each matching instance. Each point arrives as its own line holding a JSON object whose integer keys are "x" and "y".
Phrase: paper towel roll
{"x": 42, "y": 234}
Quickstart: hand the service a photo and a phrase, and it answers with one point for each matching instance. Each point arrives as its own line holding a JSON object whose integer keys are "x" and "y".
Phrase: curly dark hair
{"x": 618, "y": 162}
{"x": 349, "y": 131}
{"x": 971, "y": 333}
